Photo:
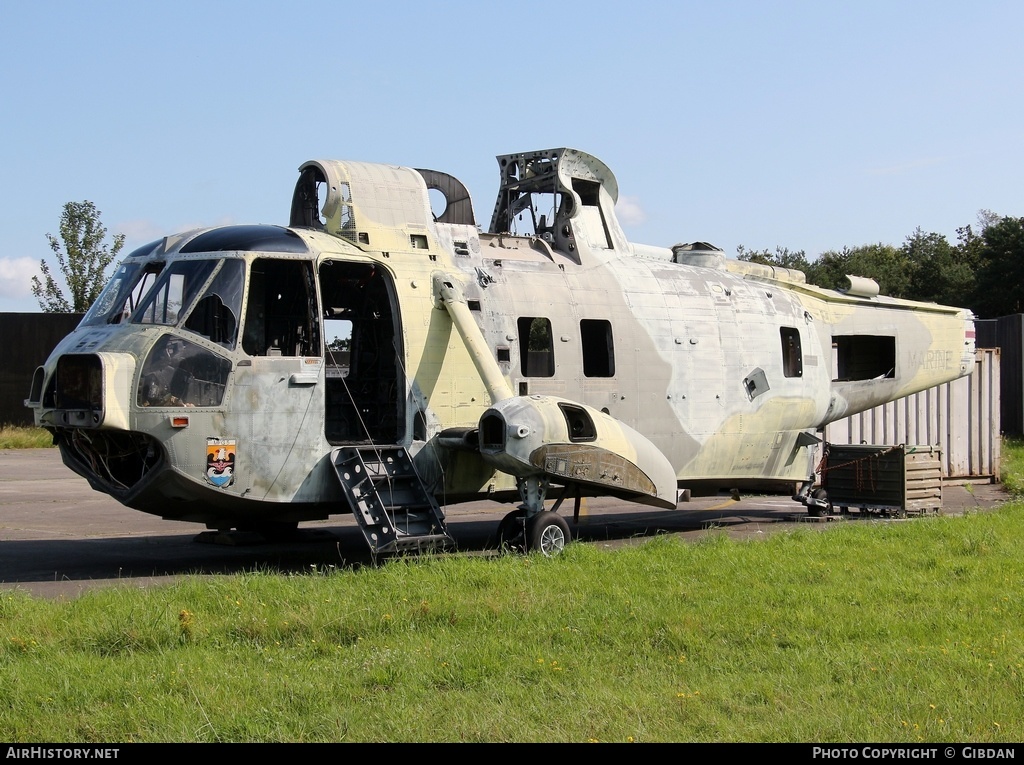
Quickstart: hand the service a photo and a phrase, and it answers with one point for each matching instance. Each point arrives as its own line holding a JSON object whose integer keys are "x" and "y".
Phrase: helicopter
{"x": 383, "y": 355}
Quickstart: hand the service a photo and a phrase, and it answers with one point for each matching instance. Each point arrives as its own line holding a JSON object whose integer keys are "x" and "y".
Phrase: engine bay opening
{"x": 117, "y": 460}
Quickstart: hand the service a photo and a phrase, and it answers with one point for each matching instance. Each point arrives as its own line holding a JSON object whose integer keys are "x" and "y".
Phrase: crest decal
{"x": 220, "y": 461}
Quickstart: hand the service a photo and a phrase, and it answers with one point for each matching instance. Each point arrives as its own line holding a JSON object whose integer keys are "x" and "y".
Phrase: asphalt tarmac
{"x": 59, "y": 538}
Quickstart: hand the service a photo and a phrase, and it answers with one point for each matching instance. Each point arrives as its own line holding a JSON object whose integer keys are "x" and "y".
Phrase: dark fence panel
{"x": 26, "y": 339}
{"x": 1007, "y": 333}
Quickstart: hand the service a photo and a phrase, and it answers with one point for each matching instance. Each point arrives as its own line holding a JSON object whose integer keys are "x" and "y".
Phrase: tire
{"x": 511, "y": 535}
{"x": 547, "y": 533}
{"x": 820, "y": 512}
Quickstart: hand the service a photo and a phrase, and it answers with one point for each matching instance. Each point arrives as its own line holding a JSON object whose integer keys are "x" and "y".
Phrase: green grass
{"x": 1012, "y": 465}
{"x": 869, "y": 632}
{"x": 20, "y": 437}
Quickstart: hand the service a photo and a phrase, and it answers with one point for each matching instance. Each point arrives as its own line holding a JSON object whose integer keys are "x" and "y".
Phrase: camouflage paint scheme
{"x": 690, "y": 384}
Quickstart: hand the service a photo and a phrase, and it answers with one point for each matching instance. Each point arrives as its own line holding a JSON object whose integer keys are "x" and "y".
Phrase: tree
{"x": 782, "y": 258}
{"x": 1000, "y": 280}
{"x": 939, "y": 272}
{"x": 881, "y": 262}
{"x": 983, "y": 271}
{"x": 83, "y": 262}
{"x": 971, "y": 249}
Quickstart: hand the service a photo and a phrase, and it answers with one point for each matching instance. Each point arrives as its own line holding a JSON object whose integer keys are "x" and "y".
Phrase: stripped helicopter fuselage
{"x": 378, "y": 357}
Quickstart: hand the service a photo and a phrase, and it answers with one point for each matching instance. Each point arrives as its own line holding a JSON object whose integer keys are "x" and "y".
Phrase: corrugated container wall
{"x": 961, "y": 418}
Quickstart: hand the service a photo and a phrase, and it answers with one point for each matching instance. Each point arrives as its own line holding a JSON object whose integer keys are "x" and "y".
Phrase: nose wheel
{"x": 819, "y": 507}
{"x": 512, "y": 531}
{"x": 545, "y": 532}
{"x": 548, "y": 533}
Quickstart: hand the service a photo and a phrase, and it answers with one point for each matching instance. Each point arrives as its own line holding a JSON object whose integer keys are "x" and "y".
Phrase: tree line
{"x": 983, "y": 270}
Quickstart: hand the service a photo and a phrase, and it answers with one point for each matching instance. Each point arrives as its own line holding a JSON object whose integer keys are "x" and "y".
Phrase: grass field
{"x": 871, "y": 632}
{"x": 18, "y": 437}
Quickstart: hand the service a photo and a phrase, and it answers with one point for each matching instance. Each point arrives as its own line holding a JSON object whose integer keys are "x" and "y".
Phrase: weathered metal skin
{"x": 558, "y": 439}
{"x": 718, "y": 373}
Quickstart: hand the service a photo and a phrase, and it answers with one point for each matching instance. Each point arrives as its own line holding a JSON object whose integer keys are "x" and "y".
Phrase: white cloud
{"x": 140, "y": 231}
{"x": 629, "y": 211}
{"x": 16, "y": 275}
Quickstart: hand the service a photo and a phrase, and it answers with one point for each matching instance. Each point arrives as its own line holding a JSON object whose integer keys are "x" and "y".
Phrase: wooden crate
{"x": 892, "y": 480}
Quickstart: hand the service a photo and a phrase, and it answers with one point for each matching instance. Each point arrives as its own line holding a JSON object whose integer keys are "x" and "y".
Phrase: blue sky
{"x": 807, "y": 125}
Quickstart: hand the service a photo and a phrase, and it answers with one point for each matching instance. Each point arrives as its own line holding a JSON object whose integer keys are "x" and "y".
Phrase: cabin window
{"x": 281, "y": 309}
{"x": 536, "y": 347}
{"x": 792, "y": 358}
{"x": 864, "y": 357}
{"x": 598, "y": 348}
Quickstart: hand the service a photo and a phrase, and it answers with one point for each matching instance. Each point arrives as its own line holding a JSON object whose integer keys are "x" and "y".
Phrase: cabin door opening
{"x": 364, "y": 389}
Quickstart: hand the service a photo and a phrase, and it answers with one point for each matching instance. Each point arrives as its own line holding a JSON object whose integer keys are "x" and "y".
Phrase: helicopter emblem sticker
{"x": 220, "y": 461}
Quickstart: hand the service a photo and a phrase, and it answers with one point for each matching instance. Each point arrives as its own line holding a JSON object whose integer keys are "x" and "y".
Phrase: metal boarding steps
{"x": 388, "y": 499}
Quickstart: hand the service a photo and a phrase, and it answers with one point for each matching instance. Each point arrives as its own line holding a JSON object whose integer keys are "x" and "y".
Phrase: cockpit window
{"x": 174, "y": 292}
{"x": 215, "y": 315}
{"x": 122, "y": 294}
{"x": 180, "y": 373}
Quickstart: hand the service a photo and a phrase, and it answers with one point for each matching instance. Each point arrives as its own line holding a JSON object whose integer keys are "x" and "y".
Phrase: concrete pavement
{"x": 59, "y": 538}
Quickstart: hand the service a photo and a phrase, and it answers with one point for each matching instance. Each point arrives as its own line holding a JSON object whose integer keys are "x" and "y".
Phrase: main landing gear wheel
{"x": 511, "y": 532}
{"x": 547, "y": 532}
{"x": 818, "y": 511}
